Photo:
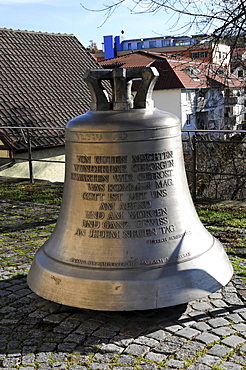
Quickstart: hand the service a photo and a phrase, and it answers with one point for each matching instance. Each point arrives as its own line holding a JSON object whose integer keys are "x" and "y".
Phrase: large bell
{"x": 128, "y": 236}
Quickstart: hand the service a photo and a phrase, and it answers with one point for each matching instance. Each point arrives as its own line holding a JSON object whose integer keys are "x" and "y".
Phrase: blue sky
{"x": 67, "y": 16}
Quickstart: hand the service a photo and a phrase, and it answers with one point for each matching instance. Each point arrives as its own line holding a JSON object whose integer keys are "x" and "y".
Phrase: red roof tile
{"x": 176, "y": 72}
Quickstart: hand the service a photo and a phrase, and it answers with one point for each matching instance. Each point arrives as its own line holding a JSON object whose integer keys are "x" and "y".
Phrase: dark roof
{"x": 176, "y": 72}
{"x": 41, "y": 85}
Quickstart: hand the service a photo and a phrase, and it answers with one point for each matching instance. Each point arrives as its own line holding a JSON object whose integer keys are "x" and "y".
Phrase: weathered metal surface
{"x": 128, "y": 236}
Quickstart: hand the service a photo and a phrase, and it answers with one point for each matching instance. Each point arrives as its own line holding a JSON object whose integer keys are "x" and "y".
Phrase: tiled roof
{"x": 174, "y": 71}
{"x": 137, "y": 59}
{"x": 41, "y": 85}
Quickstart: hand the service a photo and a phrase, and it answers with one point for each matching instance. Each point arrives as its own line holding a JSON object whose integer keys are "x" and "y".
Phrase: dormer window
{"x": 192, "y": 72}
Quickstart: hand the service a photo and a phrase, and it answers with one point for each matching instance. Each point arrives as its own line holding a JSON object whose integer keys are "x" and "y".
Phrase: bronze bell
{"x": 128, "y": 236}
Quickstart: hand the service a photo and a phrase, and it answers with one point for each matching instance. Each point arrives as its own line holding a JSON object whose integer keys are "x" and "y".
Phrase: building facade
{"x": 201, "y": 95}
{"x": 192, "y": 47}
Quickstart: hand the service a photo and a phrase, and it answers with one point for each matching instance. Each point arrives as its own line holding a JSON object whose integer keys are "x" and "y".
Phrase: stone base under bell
{"x": 130, "y": 289}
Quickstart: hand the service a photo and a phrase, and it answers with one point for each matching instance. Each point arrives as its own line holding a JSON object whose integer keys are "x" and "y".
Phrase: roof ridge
{"x": 35, "y": 32}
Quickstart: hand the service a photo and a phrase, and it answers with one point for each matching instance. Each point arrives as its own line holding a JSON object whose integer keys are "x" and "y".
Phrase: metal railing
{"x": 193, "y": 141}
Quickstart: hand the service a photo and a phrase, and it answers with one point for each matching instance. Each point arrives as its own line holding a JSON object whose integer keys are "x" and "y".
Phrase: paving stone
{"x": 136, "y": 350}
{"x": 169, "y": 346}
{"x": 232, "y": 298}
{"x": 230, "y": 366}
{"x": 219, "y": 303}
{"x": 103, "y": 333}
{"x": 147, "y": 366}
{"x": 197, "y": 366}
{"x": 237, "y": 358}
{"x": 76, "y": 338}
{"x": 160, "y": 334}
{"x": 48, "y": 346}
{"x": 60, "y": 356}
{"x": 103, "y": 357}
{"x": 77, "y": 358}
{"x": 43, "y": 356}
{"x": 188, "y": 351}
{"x": 27, "y": 359}
{"x": 223, "y": 331}
{"x": 233, "y": 341}
{"x": 176, "y": 364}
{"x": 209, "y": 360}
{"x": 67, "y": 347}
{"x": 59, "y": 365}
{"x": 11, "y": 361}
{"x": 188, "y": 333}
{"x": 157, "y": 357}
{"x": 243, "y": 348}
{"x": 236, "y": 318}
{"x": 121, "y": 341}
{"x": 126, "y": 360}
{"x": 43, "y": 366}
{"x": 99, "y": 366}
{"x": 201, "y": 326}
{"x": 219, "y": 350}
{"x": 215, "y": 295}
{"x": 239, "y": 327}
{"x": 201, "y": 306}
{"x": 207, "y": 338}
{"x": 150, "y": 342}
{"x": 77, "y": 367}
{"x": 216, "y": 323}
{"x": 110, "y": 347}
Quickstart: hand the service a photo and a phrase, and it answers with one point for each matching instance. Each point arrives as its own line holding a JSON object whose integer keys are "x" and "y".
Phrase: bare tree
{"x": 92, "y": 47}
{"x": 224, "y": 19}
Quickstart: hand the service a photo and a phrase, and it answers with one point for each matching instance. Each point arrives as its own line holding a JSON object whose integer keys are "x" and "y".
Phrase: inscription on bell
{"x": 124, "y": 201}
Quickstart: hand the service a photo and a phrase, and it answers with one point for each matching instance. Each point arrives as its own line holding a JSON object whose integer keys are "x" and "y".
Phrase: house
{"x": 201, "y": 95}
{"x": 42, "y": 88}
{"x": 198, "y": 47}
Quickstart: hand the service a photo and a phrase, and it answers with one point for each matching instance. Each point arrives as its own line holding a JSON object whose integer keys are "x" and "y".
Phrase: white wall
{"x": 168, "y": 100}
{"x": 41, "y": 170}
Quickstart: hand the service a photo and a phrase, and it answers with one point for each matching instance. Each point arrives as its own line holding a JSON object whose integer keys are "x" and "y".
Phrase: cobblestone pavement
{"x": 37, "y": 334}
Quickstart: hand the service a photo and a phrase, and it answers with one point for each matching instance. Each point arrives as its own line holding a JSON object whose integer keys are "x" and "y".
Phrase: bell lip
{"x": 130, "y": 290}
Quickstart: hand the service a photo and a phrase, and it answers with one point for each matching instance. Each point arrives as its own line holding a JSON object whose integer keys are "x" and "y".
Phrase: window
{"x": 188, "y": 119}
{"x": 182, "y": 42}
{"x": 129, "y": 45}
{"x": 140, "y": 45}
{"x": 152, "y": 44}
{"x": 166, "y": 42}
{"x": 198, "y": 54}
{"x": 218, "y": 54}
{"x": 240, "y": 73}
